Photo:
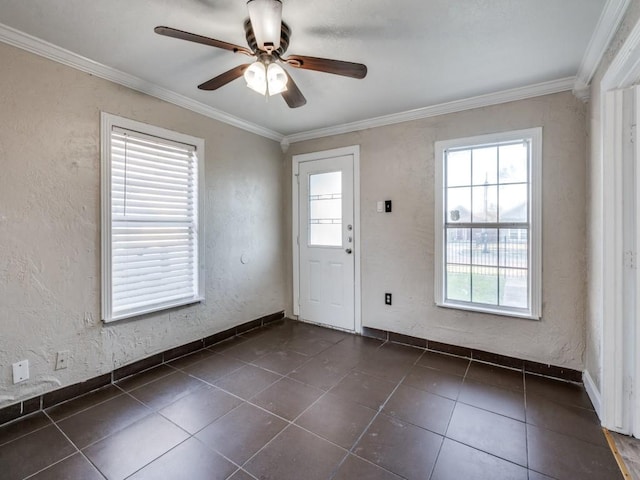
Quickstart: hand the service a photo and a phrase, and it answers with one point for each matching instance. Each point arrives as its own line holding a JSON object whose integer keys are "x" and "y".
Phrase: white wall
{"x": 595, "y": 212}
{"x": 50, "y": 226}
{"x": 397, "y": 163}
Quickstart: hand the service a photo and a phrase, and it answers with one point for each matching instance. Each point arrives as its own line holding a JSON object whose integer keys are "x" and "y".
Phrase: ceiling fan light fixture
{"x": 276, "y": 79}
{"x": 268, "y": 38}
{"x": 256, "y": 77}
{"x": 266, "y": 20}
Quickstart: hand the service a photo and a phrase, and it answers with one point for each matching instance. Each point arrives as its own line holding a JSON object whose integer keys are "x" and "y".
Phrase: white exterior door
{"x": 326, "y": 241}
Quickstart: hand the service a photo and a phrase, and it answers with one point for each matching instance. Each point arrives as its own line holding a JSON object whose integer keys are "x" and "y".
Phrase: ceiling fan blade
{"x": 337, "y": 67}
{"x": 292, "y": 95}
{"x": 192, "y": 37}
{"x": 223, "y": 79}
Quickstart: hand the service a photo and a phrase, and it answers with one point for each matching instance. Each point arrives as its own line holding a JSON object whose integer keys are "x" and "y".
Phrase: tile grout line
{"x": 56, "y": 463}
{"x": 240, "y": 469}
{"x": 457, "y": 401}
{"x": 495, "y": 413}
{"x": 444, "y": 436}
{"x": 87, "y": 408}
{"x": 282, "y": 320}
{"x": 78, "y": 450}
{"x": 122, "y": 391}
{"x": 151, "y": 412}
{"x": 158, "y": 457}
{"x": 217, "y": 388}
{"x": 259, "y": 407}
{"x": 291, "y": 422}
{"x": 526, "y": 426}
{"x": 24, "y": 434}
{"x": 54, "y": 422}
{"x": 524, "y": 373}
{"x": 250, "y": 398}
{"x": 190, "y": 435}
{"x": 376, "y": 415}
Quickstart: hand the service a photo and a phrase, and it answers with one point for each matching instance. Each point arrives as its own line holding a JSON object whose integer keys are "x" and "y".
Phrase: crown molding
{"x": 624, "y": 69}
{"x": 514, "y": 94}
{"x": 608, "y": 23}
{"x": 284, "y": 145}
{"x": 45, "y": 49}
{"x": 582, "y": 90}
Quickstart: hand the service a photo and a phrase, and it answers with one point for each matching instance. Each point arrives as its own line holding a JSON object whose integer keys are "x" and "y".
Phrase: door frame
{"x": 620, "y": 313}
{"x": 354, "y": 151}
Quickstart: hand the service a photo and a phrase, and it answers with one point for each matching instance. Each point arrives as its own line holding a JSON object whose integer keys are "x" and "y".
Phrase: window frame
{"x": 107, "y": 123}
{"x": 534, "y": 135}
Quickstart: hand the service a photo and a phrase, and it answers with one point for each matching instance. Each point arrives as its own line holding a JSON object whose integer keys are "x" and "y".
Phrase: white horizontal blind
{"x": 154, "y": 220}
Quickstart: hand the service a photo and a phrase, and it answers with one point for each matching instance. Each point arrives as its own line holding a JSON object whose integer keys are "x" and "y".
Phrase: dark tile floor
{"x": 296, "y": 401}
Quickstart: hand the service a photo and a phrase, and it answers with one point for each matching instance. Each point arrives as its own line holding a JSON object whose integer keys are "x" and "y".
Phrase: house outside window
{"x": 152, "y": 210}
{"x": 488, "y": 223}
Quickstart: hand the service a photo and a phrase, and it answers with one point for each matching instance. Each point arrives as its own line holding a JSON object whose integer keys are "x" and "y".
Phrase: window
{"x": 488, "y": 239}
{"x": 152, "y": 233}
{"x": 325, "y": 209}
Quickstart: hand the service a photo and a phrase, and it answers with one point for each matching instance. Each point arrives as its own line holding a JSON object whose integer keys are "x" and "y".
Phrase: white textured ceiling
{"x": 419, "y": 53}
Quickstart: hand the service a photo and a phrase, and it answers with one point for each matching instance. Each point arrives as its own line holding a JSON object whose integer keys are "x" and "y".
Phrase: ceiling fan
{"x": 268, "y": 38}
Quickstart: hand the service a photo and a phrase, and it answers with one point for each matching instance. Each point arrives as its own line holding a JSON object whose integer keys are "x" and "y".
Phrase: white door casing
{"x": 326, "y": 247}
{"x": 633, "y": 359}
{"x": 621, "y": 292}
{"x": 619, "y": 197}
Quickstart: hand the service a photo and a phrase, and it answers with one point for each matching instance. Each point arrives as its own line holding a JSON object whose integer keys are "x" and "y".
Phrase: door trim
{"x": 620, "y": 376}
{"x": 353, "y": 150}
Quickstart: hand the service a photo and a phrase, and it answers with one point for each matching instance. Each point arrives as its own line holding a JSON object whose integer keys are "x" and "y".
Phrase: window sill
{"x": 154, "y": 309}
{"x": 488, "y": 310}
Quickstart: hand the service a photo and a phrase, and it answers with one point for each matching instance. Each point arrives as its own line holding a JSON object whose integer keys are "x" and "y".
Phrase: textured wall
{"x": 50, "y": 226}
{"x": 397, "y": 163}
{"x": 595, "y": 213}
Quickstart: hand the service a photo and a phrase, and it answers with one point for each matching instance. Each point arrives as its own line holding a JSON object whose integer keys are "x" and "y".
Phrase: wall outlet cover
{"x": 20, "y": 371}
{"x": 62, "y": 359}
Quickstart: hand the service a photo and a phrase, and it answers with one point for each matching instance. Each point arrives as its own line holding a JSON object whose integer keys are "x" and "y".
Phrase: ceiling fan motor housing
{"x": 266, "y": 17}
{"x": 285, "y": 35}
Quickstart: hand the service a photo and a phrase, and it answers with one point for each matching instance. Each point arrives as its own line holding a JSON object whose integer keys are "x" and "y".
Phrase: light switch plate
{"x": 380, "y": 207}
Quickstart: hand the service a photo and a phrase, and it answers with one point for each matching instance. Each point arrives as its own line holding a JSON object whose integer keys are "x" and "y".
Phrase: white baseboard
{"x": 592, "y": 391}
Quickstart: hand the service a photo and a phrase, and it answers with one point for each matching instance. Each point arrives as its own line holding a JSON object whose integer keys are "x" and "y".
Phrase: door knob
{"x": 348, "y": 250}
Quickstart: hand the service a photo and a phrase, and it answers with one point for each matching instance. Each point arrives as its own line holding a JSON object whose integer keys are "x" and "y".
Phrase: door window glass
{"x": 325, "y": 209}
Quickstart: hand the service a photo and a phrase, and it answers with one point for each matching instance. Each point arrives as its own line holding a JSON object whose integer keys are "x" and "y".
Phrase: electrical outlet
{"x": 387, "y": 299}
{"x": 387, "y": 206}
{"x": 62, "y": 359}
{"x": 21, "y": 371}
